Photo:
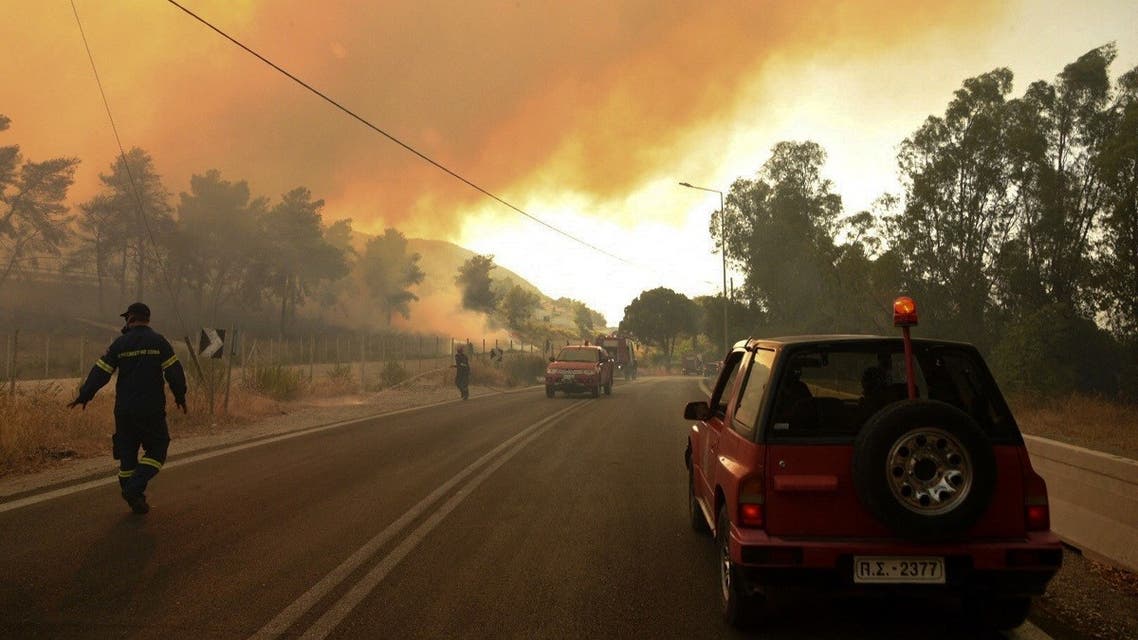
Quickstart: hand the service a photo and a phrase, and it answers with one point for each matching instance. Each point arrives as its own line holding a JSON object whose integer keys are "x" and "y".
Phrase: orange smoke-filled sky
{"x": 585, "y": 114}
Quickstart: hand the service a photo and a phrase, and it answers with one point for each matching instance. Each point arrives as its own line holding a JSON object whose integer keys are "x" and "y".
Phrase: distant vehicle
{"x": 711, "y": 368}
{"x": 691, "y": 365}
{"x": 623, "y": 352}
{"x": 579, "y": 369}
{"x": 844, "y": 462}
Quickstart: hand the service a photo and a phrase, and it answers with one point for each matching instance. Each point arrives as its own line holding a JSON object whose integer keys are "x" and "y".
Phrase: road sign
{"x": 211, "y": 343}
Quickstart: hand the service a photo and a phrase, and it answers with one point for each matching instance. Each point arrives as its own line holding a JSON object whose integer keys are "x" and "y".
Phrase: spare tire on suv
{"x": 924, "y": 468}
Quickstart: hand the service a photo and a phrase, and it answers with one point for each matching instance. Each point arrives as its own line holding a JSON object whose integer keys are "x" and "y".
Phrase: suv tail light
{"x": 1037, "y": 516}
{"x": 751, "y": 503}
{"x": 1037, "y": 513}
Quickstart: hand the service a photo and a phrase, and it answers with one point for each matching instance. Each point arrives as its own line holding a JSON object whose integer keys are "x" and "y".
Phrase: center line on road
{"x": 286, "y": 618}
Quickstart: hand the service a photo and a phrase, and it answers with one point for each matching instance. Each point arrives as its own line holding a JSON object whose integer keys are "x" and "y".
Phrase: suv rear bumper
{"x": 1019, "y": 567}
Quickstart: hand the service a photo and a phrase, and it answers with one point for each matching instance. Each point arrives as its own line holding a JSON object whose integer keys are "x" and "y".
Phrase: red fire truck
{"x": 623, "y": 352}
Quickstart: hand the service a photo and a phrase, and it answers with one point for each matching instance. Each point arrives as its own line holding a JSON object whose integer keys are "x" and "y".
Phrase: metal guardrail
{"x": 1094, "y": 499}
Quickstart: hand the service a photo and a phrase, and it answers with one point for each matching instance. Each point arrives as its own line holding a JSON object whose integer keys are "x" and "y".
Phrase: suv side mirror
{"x": 698, "y": 410}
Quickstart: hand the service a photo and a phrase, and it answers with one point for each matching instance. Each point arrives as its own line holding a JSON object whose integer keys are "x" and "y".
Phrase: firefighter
{"x": 143, "y": 358}
{"x": 462, "y": 373}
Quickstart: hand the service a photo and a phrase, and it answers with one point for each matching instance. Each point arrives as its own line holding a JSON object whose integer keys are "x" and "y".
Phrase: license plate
{"x": 568, "y": 377}
{"x": 898, "y": 570}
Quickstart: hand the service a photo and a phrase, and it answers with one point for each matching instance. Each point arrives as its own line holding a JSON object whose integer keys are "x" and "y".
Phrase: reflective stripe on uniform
{"x": 171, "y": 360}
{"x": 140, "y": 352}
{"x": 126, "y": 474}
{"x": 104, "y": 366}
{"x": 151, "y": 462}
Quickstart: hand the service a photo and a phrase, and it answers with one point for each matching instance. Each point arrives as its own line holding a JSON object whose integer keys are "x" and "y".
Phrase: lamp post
{"x": 722, "y": 252}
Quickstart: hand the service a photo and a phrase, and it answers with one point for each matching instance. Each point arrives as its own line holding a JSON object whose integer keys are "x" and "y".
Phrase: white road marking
{"x": 286, "y": 618}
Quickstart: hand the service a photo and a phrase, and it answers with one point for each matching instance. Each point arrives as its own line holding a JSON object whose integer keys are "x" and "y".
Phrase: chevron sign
{"x": 211, "y": 343}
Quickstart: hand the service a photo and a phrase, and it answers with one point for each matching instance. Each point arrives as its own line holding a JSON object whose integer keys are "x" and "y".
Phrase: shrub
{"x": 340, "y": 375}
{"x": 484, "y": 374}
{"x": 393, "y": 373}
{"x": 524, "y": 369}
{"x": 1054, "y": 351}
{"x": 276, "y": 381}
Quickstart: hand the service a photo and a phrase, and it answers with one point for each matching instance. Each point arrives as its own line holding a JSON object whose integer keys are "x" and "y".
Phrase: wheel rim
{"x": 929, "y": 471}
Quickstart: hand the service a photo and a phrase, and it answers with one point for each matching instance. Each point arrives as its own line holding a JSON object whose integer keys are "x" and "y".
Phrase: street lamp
{"x": 723, "y": 252}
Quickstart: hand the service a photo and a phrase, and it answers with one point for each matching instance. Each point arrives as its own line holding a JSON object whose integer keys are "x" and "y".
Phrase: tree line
{"x": 222, "y": 249}
{"x": 515, "y": 307}
{"x": 1016, "y": 229}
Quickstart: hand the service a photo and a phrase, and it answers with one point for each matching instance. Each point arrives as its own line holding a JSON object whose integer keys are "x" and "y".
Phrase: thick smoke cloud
{"x": 592, "y": 97}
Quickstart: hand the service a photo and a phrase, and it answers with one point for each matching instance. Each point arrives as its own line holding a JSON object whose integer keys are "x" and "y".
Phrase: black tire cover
{"x": 872, "y": 447}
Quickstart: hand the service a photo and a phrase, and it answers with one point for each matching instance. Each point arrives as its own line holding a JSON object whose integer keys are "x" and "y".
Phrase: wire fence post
{"x": 82, "y": 354}
{"x": 229, "y": 366}
{"x": 312, "y": 360}
{"x": 363, "y": 358}
{"x": 12, "y": 346}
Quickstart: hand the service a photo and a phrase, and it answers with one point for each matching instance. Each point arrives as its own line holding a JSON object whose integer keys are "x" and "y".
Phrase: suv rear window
{"x": 831, "y": 390}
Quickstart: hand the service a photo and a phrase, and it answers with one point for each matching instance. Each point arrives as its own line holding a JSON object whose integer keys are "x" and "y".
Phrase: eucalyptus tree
{"x": 1117, "y": 267}
{"x": 215, "y": 247}
{"x": 779, "y": 230}
{"x": 583, "y": 319}
{"x": 332, "y": 295}
{"x": 743, "y": 320}
{"x": 1056, "y": 135}
{"x": 389, "y": 272}
{"x": 33, "y": 216}
{"x": 659, "y": 316}
{"x": 518, "y": 305}
{"x": 297, "y": 256}
{"x": 958, "y": 209}
{"x": 129, "y": 223}
{"x": 476, "y": 286}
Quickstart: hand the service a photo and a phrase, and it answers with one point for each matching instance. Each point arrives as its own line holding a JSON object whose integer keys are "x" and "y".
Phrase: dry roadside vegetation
{"x": 1087, "y": 421}
{"x": 38, "y": 431}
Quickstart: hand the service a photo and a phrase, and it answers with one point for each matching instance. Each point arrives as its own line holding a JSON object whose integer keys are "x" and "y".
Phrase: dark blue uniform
{"x": 143, "y": 358}
{"x": 462, "y": 374}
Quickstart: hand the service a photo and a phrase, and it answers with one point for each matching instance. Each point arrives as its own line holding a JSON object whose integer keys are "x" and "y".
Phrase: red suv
{"x": 868, "y": 464}
{"x": 579, "y": 369}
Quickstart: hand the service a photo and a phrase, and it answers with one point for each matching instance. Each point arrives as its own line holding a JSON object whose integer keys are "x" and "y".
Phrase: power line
{"x": 397, "y": 141}
{"x": 134, "y": 188}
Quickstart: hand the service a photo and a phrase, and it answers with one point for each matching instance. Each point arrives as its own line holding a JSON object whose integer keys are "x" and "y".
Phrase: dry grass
{"x": 1086, "y": 421}
{"x": 36, "y": 428}
{"x": 37, "y": 431}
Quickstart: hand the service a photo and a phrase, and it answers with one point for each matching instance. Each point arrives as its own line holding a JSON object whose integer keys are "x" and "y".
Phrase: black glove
{"x": 78, "y": 402}
{"x": 181, "y": 404}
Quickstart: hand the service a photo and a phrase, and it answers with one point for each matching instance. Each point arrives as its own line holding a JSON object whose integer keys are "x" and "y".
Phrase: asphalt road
{"x": 507, "y": 516}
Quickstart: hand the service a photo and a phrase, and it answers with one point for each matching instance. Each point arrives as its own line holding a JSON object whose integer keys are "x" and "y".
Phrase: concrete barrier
{"x": 1094, "y": 499}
